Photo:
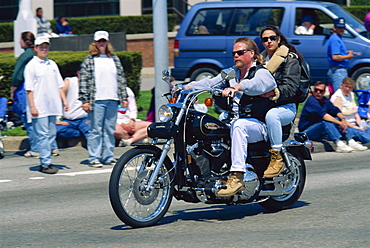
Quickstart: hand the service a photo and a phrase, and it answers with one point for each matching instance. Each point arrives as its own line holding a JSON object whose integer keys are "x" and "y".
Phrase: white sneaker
{"x": 125, "y": 142}
{"x": 31, "y": 154}
{"x": 357, "y": 146}
{"x": 342, "y": 147}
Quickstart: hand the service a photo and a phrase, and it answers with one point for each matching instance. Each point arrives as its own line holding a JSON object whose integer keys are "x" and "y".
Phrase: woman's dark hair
{"x": 28, "y": 38}
{"x": 283, "y": 40}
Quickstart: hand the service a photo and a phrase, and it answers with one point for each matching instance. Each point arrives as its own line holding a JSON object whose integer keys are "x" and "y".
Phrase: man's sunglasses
{"x": 240, "y": 52}
{"x": 272, "y": 38}
{"x": 318, "y": 90}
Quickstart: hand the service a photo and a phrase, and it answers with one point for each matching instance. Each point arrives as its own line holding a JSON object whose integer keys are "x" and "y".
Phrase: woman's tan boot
{"x": 276, "y": 165}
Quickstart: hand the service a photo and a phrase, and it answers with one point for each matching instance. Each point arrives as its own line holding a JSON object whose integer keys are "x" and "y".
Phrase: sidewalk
{"x": 20, "y": 143}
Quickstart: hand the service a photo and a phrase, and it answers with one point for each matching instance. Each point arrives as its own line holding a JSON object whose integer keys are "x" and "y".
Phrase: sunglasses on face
{"x": 318, "y": 90}
{"x": 102, "y": 40}
{"x": 240, "y": 52}
{"x": 272, "y": 38}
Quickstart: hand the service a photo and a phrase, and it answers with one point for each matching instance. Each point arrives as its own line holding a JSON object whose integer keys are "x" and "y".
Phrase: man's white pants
{"x": 244, "y": 131}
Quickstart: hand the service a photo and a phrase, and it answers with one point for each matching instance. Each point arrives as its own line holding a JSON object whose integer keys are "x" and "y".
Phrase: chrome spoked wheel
{"x": 291, "y": 186}
{"x": 133, "y": 201}
{"x": 291, "y": 181}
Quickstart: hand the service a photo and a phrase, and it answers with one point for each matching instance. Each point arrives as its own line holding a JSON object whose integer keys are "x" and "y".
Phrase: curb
{"x": 20, "y": 143}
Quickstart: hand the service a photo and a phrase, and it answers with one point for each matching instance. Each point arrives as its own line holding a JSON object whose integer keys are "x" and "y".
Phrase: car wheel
{"x": 201, "y": 73}
{"x": 362, "y": 78}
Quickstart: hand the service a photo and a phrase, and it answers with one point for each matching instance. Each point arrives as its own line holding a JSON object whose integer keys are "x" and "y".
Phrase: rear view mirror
{"x": 228, "y": 73}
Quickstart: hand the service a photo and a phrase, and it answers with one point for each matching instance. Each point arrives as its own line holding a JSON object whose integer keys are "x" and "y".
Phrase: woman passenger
{"x": 283, "y": 61}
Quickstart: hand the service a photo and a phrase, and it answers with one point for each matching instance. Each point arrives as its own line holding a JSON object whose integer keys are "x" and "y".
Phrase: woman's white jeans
{"x": 275, "y": 119}
{"x": 244, "y": 131}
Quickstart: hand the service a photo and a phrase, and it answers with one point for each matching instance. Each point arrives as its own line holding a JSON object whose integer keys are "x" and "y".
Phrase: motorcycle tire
{"x": 131, "y": 202}
{"x": 1, "y": 149}
{"x": 294, "y": 186}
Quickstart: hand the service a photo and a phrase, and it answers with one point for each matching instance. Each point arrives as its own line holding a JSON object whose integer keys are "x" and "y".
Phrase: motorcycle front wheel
{"x": 292, "y": 186}
{"x": 132, "y": 201}
{"x": 1, "y": 149}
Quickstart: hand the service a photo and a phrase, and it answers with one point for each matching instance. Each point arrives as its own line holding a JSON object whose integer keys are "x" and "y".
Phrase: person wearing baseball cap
{"x": 338, "y": 55}
{"x": 43, "y": 83}
{"x": 102, "y": 89}
{"x": 307, "y": 26}
{"x": 101, "y": 35}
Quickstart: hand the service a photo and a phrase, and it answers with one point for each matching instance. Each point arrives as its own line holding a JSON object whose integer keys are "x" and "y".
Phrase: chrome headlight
{"x": 165, "y": 113}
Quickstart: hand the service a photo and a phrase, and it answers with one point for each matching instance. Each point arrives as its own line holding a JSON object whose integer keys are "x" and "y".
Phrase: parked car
{"x": 204, "y": 41}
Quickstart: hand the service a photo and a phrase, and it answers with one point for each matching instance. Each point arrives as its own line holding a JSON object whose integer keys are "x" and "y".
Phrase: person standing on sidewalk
{"x": 338, "y": 55}
{"x": 44, "y": 84}
{"x": 18, "y": 93}
{"x": 102, "y": 88}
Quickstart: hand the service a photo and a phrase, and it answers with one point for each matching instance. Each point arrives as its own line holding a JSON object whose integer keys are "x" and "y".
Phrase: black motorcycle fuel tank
{"x": 204, "y": 126}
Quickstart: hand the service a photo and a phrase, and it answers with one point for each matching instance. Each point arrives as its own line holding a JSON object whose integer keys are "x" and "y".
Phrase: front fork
{"x": 153, "y": 176}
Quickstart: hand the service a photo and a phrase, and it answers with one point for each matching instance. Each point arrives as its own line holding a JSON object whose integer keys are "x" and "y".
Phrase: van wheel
{"x": 362, "y": 78}
{"x": 201, "y": 73}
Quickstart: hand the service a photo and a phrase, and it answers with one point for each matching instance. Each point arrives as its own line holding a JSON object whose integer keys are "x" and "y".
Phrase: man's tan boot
{"x": 234, "y": 184}
{"x": 276, "y": 165}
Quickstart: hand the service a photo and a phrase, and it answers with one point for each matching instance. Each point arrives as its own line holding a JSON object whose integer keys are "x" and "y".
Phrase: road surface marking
{"x": 5, "y": 181}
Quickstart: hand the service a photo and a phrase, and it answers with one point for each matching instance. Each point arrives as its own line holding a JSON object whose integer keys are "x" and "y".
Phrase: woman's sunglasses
{"x": 272, "y": 38}
{"x": 240, "y": 52}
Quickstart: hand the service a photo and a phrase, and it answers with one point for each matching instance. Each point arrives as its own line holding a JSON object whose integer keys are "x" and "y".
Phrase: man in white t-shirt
{"x": 307, "y": 27}
{"x": 43, "y": 83}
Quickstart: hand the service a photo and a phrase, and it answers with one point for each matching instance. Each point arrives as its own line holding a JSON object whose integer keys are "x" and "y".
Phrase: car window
{"x": 323, "y": 23}
{"x": 250, "y": 21}
{"x": 210, "y": 22}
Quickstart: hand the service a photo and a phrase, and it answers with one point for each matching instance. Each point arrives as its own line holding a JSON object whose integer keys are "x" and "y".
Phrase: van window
{"x": 250, "y": 21}
{"x": 245, "y": 21}
{"x": 321, "y": 20}
{"x": 210, "y": 22}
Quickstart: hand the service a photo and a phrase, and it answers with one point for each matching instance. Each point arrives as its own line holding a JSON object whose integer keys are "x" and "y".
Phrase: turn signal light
{"x": 173, "y": 99}
{"x": 208, "y": 102}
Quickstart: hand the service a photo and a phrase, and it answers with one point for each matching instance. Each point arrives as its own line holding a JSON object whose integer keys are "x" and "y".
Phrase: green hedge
{"x": 69, "y": 62}
{"x": 358, "y": 11}
{"x": 88, "y": 25}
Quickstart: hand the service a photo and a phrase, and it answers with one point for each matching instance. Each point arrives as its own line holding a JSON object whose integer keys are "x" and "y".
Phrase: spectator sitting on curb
{"x": 344, "y": 99}
{"x": 75, "y": 121}
{"x": 128, "y": 129}
{"x": 319, "y": 120}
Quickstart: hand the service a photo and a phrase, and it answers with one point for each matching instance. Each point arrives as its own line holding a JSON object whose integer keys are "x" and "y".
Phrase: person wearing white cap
{"x": 45, "y": 96}
{"x": 102, "y": 89}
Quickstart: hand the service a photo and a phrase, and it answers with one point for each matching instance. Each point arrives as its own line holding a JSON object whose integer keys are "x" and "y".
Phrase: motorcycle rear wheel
{"x": 131, "y": 202}
{"x": 293, "y": 186}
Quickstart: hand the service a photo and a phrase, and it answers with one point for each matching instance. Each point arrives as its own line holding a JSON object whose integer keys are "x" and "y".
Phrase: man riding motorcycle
{"x": 252, "y": 80}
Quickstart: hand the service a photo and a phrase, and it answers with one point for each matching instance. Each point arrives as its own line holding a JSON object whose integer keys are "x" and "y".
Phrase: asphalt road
{"x": 72, "y": 209}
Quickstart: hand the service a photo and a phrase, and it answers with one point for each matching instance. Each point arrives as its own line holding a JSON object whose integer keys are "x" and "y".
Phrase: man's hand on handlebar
{"x": 230, "y": 91}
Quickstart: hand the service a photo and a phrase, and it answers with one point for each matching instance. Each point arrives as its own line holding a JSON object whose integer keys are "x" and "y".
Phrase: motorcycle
{"x": 2, "y": 128}
{"x": 146, "y": 177}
